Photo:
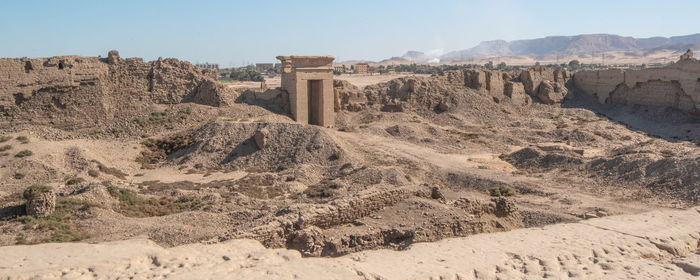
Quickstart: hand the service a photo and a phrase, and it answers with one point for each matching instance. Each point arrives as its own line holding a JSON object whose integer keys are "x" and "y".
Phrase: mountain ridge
{"x": 583, "y": 44}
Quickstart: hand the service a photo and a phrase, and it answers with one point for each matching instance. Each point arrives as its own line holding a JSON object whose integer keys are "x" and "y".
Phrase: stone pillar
{"x": 113, "y": 57}
{"x": 41, "y": 201}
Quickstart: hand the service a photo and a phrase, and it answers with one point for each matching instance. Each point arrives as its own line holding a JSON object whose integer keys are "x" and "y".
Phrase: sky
{"x": 235, "y": 33}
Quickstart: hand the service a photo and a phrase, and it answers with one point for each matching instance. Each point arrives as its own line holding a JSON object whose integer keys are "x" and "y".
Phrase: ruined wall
{"x": 54, "y": 90}
{"x": 74, "y": 91}
{"x": 653, "y": 93}
{"x": 436, "y": 93}
{"x": 676, "y": 85}
{"x": 491, "y": 81}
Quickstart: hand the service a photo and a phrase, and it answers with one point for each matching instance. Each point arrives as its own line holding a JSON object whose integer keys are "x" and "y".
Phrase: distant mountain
{"x": 569, "y": 45}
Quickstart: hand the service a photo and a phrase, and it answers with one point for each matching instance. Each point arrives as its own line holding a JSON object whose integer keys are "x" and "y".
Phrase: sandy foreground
{"x": 654, "y": 245}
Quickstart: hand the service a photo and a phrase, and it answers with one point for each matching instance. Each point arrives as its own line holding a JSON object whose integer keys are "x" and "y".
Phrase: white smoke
{"x": 433, "y": 56}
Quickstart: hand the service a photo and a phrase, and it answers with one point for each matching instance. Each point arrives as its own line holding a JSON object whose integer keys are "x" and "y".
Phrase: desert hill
{"x": 586, "y": 47}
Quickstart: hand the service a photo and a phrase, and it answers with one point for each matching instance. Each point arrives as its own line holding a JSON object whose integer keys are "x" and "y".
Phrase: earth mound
{"x": 537, "y": 158}
{"x": 260, "y": 146}
{"x": 659, "y": 168}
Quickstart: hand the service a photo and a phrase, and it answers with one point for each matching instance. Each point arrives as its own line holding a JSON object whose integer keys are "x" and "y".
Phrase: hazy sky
{"x": 239, "y": 32}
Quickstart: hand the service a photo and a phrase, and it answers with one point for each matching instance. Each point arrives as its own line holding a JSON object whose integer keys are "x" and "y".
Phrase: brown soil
{"x": 415, "y": 159}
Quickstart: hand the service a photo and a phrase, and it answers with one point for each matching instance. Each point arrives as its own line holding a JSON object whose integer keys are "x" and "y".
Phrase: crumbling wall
{"x": 493, "y": 82}
{"x": 60, "y": 90}
{"x": 533, "y": 78}
{"x": 653, "y": 93}
{"x": 275, "y": 100}
{"x": 75, "y": 91}
{"x": 438, "y": 92}
{"x": 676, "y": 85}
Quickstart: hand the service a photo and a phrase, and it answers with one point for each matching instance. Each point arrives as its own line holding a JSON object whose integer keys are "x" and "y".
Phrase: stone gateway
{"x": 309, "y": 82}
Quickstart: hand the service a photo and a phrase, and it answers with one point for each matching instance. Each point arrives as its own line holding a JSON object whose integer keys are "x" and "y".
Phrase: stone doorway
{"x": 309, "y": 82}
{"x": 315, "y": 101}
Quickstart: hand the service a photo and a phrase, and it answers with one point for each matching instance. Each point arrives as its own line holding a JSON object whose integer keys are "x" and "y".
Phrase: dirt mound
{"x": 460, "y": 218}
{"x": 536, "y": 158}
{"x": 658, "y": 167}
{"x": 260, "y": 146}
{"x": 73, "y": 91}
{"x": 677, "y": 177}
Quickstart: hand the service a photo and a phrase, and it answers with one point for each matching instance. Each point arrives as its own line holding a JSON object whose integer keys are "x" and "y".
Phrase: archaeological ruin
{"x": 676, "y": 85}
{"x": 78, "y": 91}
{"x": 309, "y": 82}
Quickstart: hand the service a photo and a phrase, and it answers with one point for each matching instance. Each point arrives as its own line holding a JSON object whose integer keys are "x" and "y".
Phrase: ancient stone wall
{"x": 546, "y": 85}
{"x": 74, "y": 91}
{"x": 676, "y": 85}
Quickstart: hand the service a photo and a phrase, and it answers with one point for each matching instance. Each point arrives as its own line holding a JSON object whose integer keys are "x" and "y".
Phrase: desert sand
{"x": 653, "y": 245}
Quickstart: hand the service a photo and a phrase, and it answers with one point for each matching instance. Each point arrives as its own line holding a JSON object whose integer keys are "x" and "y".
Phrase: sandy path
{"x": 170, "y": 174}
{"x": 449, "y": 161}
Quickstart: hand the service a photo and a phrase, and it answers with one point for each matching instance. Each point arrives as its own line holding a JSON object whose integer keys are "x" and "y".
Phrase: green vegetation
{"x": 158, "y": 150}
{"x": 185, "y": 111}
{"x": 131, "y": 204}
{"x": 574, "y": 65}
{"x": 75, "y": 181}
{"x": 35, "y": 190}
{"x": 5, "y": 148}
{"x": 5, "y": 138}
{"x": 336, "y": 155}
{"x": 502, "y": 191}
{"x": 22, "y": 139}
{"x": 58, "y": 223}
{"x": 24, "y": 153}
{"x": 110, "y": 171}
{"x": 247, "y": 73}
{"x": 163, "y": 118}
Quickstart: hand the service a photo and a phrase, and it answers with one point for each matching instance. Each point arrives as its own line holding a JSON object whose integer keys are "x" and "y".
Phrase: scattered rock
{"x": 41, "y": 201}
{"x": 261, "y": 138}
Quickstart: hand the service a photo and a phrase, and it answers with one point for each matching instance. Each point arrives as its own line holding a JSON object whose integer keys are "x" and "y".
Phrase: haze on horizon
{"x": 236, "y": 33}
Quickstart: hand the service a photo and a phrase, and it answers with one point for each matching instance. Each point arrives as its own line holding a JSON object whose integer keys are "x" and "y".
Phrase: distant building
{"x": 361, "y": 68}
{"x": 208, "y": 65}
{"x": 264, "y": 67}
{"x": 339, "y": 68}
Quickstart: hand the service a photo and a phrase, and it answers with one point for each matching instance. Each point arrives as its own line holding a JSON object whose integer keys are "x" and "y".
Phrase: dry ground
{"x": 623, "y": 247}
{"x": 377, "y": 180}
